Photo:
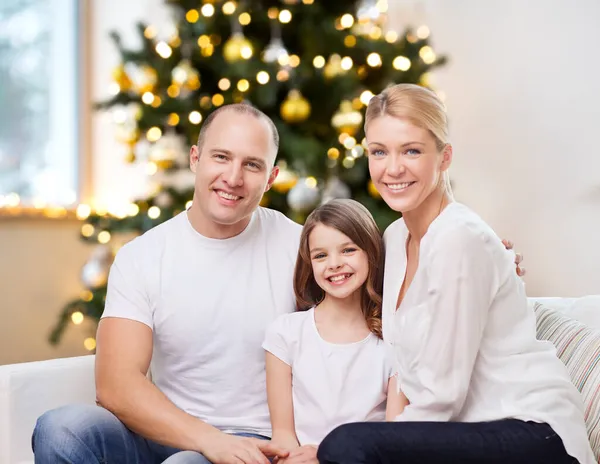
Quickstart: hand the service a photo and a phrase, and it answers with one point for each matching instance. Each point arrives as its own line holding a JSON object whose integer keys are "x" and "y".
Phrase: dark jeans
{"x": 508, "y": 441}
{"x": 82, "y": 434}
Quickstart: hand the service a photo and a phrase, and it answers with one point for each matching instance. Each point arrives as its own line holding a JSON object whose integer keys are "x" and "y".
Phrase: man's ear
{"x": 272, "y": 177}
{"x": 447, "y": 154}
{"x": 194, "y": 156}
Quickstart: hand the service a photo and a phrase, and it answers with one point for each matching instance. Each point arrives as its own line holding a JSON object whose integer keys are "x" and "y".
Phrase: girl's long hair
{"x": 356, "y": 222}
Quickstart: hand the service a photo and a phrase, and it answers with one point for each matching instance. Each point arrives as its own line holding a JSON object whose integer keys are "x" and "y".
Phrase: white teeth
{"x": 339, "y": 277}
{"x": 227, "y": 196}
{"x": 400, "y": 186}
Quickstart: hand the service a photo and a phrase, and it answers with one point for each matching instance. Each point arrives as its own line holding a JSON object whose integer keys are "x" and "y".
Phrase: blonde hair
{"x": 417, "y": 104}
{"x": 356, "y": 222}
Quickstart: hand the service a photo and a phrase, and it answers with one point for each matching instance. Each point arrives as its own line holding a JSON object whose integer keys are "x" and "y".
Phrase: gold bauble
{"x": 144, "y": 78}
{"x": 333, "y": 66}
{"x": 120, "y": 77}
{"x": 184, "y": 75}
{"x": 373, "y": 190}
{"x": 295, "y": 108}
{"x": 236, "y": 48}
{"x": 285, "y": 180}
{"x": 347, "y": 119}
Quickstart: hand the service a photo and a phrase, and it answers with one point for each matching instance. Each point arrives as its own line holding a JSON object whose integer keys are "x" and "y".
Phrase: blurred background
{"x": 100, "y": 101}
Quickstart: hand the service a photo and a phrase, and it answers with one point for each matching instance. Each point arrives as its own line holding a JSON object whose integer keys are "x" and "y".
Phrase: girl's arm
{"x": 279, "y": 397}
{"x": 396, "y": 401}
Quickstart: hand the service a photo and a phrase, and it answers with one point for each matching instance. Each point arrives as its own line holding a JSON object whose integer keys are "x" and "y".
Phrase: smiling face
{"x": 233, "y": 171}
{"x": 339, "y": 266}
{"x": 404, "y": 161}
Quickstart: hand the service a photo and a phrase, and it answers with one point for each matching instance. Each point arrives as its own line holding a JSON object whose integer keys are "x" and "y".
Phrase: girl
{"x": 481, "y": 387}
{"x": 327, "y": 364}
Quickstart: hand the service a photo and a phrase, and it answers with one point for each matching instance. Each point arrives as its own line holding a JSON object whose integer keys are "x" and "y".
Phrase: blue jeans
{"x": 82, "y": 434}
{"x": 498, "y": 442}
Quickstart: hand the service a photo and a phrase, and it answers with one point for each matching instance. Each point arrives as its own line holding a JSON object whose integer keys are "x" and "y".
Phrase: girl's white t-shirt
{"x": 332, "y": 384}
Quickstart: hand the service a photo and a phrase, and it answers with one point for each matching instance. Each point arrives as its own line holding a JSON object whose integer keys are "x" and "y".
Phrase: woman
{"x": 481, "y": 388}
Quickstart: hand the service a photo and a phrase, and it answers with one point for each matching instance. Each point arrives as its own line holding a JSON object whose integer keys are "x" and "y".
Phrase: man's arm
{"x": 123, "y": 357}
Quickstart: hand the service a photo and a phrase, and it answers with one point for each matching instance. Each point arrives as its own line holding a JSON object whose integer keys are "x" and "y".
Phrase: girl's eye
{"x": 349, "y": 250}
{"x": 319, "y": 256}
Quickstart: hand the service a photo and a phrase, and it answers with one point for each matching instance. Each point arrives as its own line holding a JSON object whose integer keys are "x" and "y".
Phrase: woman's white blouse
{"x": 463, "y": 339}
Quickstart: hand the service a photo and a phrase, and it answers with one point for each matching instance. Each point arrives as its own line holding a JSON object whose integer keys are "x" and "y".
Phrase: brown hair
{"x": 354, "y": 220}
{"x": 243, "y": 108}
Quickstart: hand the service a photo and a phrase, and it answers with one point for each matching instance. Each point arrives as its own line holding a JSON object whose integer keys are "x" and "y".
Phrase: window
{"x": 39, "y": 130}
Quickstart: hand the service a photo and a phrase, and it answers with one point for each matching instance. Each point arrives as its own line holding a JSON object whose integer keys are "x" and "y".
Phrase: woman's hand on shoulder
{"x": 518, "y": 258}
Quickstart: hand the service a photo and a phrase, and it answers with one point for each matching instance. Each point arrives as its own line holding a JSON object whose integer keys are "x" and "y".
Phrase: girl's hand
{"x": 306, "y": 454}
{"x": 518, "y": 258}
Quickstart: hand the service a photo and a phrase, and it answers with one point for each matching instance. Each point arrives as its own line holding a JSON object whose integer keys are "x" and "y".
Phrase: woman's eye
{"x": 377, "y": 152}
{"x": 413, "y": 152}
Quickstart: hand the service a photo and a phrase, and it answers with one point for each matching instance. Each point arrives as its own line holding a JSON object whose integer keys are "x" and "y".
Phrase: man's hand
{"x": 222, "y": 448}
{"x": 306, "y": 454}
{"x": 518, "y": 258}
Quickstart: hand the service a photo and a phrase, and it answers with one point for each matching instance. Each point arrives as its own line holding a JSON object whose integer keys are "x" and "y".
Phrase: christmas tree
{"x": 310, "y": 65}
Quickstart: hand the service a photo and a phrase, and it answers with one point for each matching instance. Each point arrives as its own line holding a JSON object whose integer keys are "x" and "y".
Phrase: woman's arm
{"x": 396, "y": 400}
{"x": 279, "y": 397}
{"x": 463, "y": 280}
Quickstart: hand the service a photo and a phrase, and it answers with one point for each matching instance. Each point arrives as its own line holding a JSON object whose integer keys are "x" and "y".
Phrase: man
{"x": 194, "y": 295}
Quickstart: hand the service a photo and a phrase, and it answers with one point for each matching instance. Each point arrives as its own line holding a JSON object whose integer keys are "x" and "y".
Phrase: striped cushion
{"x": 578, "y": 346}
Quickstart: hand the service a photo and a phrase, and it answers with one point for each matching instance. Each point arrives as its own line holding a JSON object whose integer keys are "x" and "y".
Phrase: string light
{"x": 283, "y": 75}
{"x": 246, "y": 52}
{"x": 89, "y": 344}
{"x": 347, "y": 21}
{"x": 374, "y": 59}
{"x": 173, "y": 119}
{"x": 333, "y": 153}
{"x": 391, "y": 36}
{"x": 243, "y": 85}
{"x": 87, "y": 230}
{"x": 153, "y": 212}
{"x": 153, "y": 134}
{"x": 151, "y": 168}
{"x": 156, "y": 102}
{"x": 188, "y": 204}
{"x": 148, "y": 98}
{"x": 318, "y": 61}
{"x": 77, "y": 317}
{"x": 218, "y": 99}
{"x": 401, "y": 63}
{"x": 294, "y": 61}
{"x": 311, "y": 182}
{"x": 224, "y": 84}
{"x": 427, "y": 54}
{"x": 346, "y": 63}
{"x": 192, "y": 16}
{"x": 423, "y": 32}
{"x": 229, "y": 8}
{"x": 207, "y": 10}
{"x": 150, "y": 32}
{"x": 245, "y": 19}
{"x": 348, "y": 162}
{"x": 272, "y": 13}
{"x": 308, "y": 2}
{"x": 132, "y": 209}
{"x": 365, "y": 97}
{"x": 349, "y": 142}
{"x": 349, "y": 41}
{"x": 104, "y": 237}
{"x": 83, "y": 211}
{"x": 203, "y": 41}
{"x": 285, "y": 16}
{"x": 163, "y": 49}
{"x": 87, "y": 296}
{"x": 195, "y": 117}
{"x": 262, "y": 77}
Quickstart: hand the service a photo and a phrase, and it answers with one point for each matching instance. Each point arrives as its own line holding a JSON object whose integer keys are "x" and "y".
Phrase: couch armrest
{"x": 28, "y": 390}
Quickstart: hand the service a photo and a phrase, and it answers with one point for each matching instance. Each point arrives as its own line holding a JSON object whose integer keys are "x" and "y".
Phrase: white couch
{"x": 27, "y": 390}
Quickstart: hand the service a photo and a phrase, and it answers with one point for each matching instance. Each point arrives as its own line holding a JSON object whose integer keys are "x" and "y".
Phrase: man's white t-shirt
{"x": 332, "y": 384}
{"x": 208, "y": 303}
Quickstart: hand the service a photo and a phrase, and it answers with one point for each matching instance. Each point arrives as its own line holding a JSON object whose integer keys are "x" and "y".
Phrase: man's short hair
{"x": 242, "y": 108}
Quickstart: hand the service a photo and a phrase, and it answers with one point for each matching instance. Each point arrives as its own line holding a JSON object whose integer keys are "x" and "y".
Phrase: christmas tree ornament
{"x": 238, "y": 47}
{"x": 333, "y": 67}
{"x": 143, "y": 78}
{"x": 275, "y": 51}
{"x": 295, "y": 107}
{"x": 304, "y": 196}
{"x": 373, "y": 190}
{"x": 369, "y": 17}
{"x": 169, "y": 150}
{"x": 185, "y": 76}
{"x": 121, "y": 78}
{"x": 335, "y": 188}
{"x": 94, "y": 273}
{"x": 285, "y": 180}
{"x": 347, "y": 119}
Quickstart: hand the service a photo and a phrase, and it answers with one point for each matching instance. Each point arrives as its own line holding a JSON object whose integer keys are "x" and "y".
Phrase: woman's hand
{"x": 306, "y": 454}
{"x": 518, "y": 258}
